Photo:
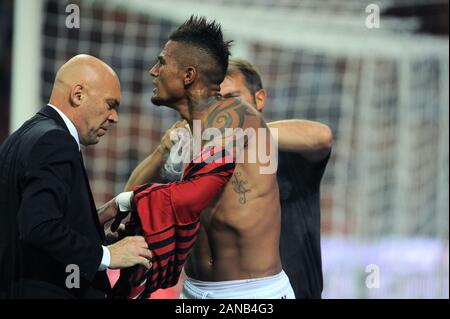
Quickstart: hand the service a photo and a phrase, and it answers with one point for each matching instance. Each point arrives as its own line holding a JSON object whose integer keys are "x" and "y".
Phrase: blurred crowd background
{"x": 382, "y": 90}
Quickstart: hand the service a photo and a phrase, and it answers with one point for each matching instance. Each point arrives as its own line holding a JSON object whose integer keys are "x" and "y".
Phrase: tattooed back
{"x": 239, "y": 237}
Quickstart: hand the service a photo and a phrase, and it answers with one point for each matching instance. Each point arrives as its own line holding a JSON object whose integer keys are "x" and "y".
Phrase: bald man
{"x": 51, "y": 235}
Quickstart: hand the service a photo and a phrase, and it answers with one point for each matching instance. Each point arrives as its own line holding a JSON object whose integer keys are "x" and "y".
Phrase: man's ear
{"x": 189, "y": 75}
{"x": 260, "y": 99}
{"x": 76, "y": 95}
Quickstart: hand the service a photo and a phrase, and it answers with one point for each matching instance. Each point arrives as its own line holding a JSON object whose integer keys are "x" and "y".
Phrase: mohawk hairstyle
{"x": 207, "y": 36}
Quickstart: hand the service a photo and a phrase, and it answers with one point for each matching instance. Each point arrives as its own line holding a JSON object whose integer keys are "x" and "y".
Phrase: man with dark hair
{"x": 202, "y": 43}
{"x": 196, "y": 47}
{"x": 304, "y": 152}
{"x": 236, "y": 253}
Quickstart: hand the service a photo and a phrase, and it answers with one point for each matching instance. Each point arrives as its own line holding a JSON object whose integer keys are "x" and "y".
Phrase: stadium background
{"x": 383, "y": 91}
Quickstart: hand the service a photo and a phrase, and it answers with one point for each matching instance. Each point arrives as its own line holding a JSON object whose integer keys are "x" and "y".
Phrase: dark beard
{"x": 156, "y": 101}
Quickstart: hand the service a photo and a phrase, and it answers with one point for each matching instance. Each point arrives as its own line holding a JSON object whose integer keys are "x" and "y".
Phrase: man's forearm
{"x": 147, "y": 170}
{"x": 313, "y": 140}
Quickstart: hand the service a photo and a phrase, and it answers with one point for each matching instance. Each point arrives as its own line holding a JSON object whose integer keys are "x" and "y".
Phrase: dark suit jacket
{"x": 48, "y": 218}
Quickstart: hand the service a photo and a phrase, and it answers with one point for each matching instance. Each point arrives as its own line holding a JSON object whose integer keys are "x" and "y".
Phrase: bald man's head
{"x": 82, "y": 68}
{"x": 87, "y": 90}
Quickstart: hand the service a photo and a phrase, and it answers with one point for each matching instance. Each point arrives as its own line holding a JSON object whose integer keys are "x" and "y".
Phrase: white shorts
{"x": 273, "y": 287}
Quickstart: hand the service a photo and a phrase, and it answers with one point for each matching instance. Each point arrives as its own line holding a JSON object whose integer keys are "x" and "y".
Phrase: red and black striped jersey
{"x": 168, "y": 216}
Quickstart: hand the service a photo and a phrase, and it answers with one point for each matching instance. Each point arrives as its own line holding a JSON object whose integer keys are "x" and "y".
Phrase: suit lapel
{"x": 48, "y": 111}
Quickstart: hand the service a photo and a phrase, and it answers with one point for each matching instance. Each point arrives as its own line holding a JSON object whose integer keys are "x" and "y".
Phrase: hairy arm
{"x": 313, "y": 140}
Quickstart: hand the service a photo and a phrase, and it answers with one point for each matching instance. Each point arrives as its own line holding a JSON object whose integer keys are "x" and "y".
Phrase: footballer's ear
{"x": 189, "y": 75}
